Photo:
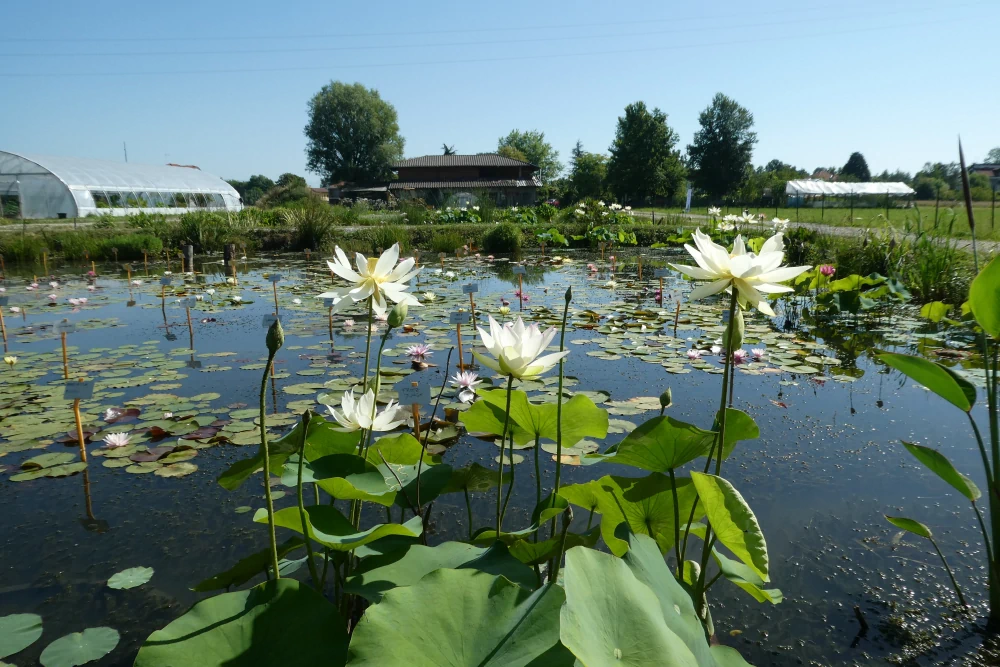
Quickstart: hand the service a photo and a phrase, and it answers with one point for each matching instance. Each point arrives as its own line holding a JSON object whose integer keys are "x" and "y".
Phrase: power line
{"x": 270, "y": 36}
{"x": 369, "y": 47}
{"x": 534, "y": 57}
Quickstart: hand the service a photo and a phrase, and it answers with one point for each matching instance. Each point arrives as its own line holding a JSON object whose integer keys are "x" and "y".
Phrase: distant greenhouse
{"x": 36, "y": 186}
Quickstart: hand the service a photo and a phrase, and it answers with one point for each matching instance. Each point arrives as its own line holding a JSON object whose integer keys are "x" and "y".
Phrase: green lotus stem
{"x": 427, "y": 433}
{"x": 567, "y": 520}
{"x": 510, "y": 484}
{"x": 677, "y": 524}
{"x": 468, "y": 508}
{"x": 986, "y": 539}
{"x": 368, "y": 344}
{"x": 503, "y": 442}
{"x": 303, "y": 516}
{"x": 378, "y": 375}
{"x": 982, "y": 451}
{"x": 267, "y": 463}
{"x": 559, "y": 397}
{"x": 538, "y": 477}
{"x": 951, "y": 575}
{"x": 590, "y": 518}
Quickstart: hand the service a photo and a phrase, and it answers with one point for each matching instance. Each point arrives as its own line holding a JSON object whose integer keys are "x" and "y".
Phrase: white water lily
{"x": 515, "y": 349}
{"x": 116, "y": 440}
{"x": 357, "y": 414}
{"x": 714, "y": 210}
{"x": 754, "y": 276}
{"x": 378, "y": 278}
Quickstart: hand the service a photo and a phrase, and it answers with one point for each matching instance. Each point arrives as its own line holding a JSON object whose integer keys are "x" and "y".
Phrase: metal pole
{"x": 852, "y": 208}
{"x": 887, "y": 205}
{"x": 822, "y": 207}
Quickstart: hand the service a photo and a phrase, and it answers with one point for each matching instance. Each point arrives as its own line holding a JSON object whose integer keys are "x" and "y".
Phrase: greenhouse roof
{"x": 816, "y": 187}
{"x": 107, "y": 175}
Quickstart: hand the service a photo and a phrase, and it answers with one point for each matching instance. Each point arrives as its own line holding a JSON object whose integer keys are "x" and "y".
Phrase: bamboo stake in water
{"x": 3, "y": 330}
{"x": 458, "y": 332}
{"x": 65, "y": 358}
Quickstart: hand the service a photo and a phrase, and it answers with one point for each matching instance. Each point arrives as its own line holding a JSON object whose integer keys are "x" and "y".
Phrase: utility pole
{"x": 125, "y": 148}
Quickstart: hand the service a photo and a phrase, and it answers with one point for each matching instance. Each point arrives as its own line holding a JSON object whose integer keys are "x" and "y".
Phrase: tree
{"x": 252, "y": 190}
{"x": 644, "y": 161}
{"x": 353, "y": 134}
{"x": 857, "y": 167}
{"x": 719, "y": 158}
{"x": 448, "y": 150}
{"x": 537, "y": 151}
{"x": 993, "y": 157}
{"x": 588, "y": 173}
{"x": 513, "y": 153}
{"x": 288, "y": 180}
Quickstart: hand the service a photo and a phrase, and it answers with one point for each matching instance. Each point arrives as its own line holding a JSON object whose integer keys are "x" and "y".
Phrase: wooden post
{"x": 661, "y": 290}
{"x": 3, "y": 330}
{"x": 145, "y": 261}
{"x": 3, "y": 267}
{"x": 330, "y": 315}
{"x": 520, "y": 298}
{"x": 45, "y": 262}
{"x": 79, "y": 428}
{"x": 187, "y": 307}
{"x": 416, "y": 416}
{"x": 472, "y": 307}
{"x": 458, "y": 331}
{"x": 128, "y": 273}
{"x": 189, "y": 255}
{"x": 640, "y": 267}
{"x": 275, "y": 286}
{"x": 65, "y": 357}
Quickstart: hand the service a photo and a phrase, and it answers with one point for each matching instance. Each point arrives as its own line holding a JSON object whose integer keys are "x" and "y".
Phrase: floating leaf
{"x": 458, "y": 618}
{"x": 79, "y": 648}
{"x": 260, "y": 626}
{"x": 18, "y": 632}
{"x": 130, "y": 578}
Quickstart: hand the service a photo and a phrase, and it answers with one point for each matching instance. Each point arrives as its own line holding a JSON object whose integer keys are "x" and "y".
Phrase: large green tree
{"x": 353, "y": 134}
{"x": 537, "y": 151}
{"x": 857, "y": 167}
{"x": 588, "y": 173}
{"x": 252, "y": 190}
{"x": 644, "y": 159}
{"x": 993, "y": 157}
{"x": 719, "y": 158}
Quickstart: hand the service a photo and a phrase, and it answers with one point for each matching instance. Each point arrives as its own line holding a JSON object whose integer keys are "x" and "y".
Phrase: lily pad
{"x": 130, "y": 578}
{"x": 79, "y": 648}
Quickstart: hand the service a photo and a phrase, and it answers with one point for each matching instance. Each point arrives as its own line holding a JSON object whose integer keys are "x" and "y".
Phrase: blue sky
{"x": 224, "y": 84}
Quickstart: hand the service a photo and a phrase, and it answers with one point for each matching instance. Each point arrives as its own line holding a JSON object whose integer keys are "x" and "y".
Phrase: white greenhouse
{"x": 36, "y": 186}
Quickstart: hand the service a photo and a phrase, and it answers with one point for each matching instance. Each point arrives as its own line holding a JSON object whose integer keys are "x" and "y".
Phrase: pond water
{"x": 826, "y": 468}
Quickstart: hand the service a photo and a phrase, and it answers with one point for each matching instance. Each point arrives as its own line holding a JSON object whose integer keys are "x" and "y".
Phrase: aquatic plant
{"x": 983, "y": 317}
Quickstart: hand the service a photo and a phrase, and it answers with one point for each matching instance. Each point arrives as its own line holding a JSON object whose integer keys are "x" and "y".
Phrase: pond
{"x": 827, "y": 466}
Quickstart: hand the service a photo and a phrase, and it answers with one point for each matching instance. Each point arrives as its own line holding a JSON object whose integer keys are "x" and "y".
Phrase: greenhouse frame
{"x": 36, "y": 186}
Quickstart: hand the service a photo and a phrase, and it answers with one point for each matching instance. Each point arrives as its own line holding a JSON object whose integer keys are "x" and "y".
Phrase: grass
{"x": 875, "y": 217}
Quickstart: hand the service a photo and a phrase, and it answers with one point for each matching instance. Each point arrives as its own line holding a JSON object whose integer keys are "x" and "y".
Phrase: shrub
{"x": 313, "y": 225}
{"x": 506, "y": 237}
{"x": 415, "y": 212}
{"x": 448, "y": 242}
{"x": 383, "y": 236}
{"x": 130, "y": 246}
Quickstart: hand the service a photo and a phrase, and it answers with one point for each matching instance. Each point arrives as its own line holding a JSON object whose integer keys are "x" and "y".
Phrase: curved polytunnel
{"x": 38, "y": 186}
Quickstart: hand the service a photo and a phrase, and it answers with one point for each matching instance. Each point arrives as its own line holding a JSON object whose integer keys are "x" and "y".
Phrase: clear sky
{"x": 224, "y": 84}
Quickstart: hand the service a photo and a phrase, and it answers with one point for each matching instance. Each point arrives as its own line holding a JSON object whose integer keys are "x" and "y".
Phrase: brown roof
{"x": 481, "y": 160}
{"x": 471, "y": 184}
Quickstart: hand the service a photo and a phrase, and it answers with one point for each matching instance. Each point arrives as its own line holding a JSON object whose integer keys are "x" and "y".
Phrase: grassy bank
{"x": 950, "y": 217}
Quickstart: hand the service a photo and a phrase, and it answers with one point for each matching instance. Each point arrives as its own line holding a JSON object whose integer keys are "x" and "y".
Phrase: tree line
{"x": 353, "y": 136}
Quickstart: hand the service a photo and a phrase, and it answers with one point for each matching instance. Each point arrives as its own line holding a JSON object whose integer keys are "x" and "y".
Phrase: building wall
{"x": 461, "y": 173}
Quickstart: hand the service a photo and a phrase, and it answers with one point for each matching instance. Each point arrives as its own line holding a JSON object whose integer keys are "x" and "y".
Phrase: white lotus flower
{"x": 355, "y": 415}
{"x": 376, "y": 278}
{"x": 515, "y": 349}
{"x": 116, "y": 440}
{"x": 210, "y": 291}
{"x": 714, "y": 210}
{"x": 753, "y": 276}
{"x": 297, "y": 302}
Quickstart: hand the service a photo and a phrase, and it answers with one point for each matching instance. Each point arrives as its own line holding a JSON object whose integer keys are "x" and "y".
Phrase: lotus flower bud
{"x": 569, "y": 294}
{"x": 275, "y": 337}
{"x": 666, "y": 399}
{"x": 397, "y": 315}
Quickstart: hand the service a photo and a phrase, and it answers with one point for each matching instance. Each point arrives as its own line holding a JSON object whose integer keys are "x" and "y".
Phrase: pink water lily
{"x": 466, "y": 382}
{"x": 419, "y": 351}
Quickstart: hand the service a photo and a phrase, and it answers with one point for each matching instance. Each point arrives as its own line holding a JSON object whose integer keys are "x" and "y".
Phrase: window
{"x": 116, "y": 199}
{"x": 100, "y": 199}
{"x": 200, "y": 200}
{"x": 180, "y": 200}
{"x": 217, "y": 201}
{"x": 145, "y": 200}
{"x": 166, "y": 199}
{"x": 132, "y": 200}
